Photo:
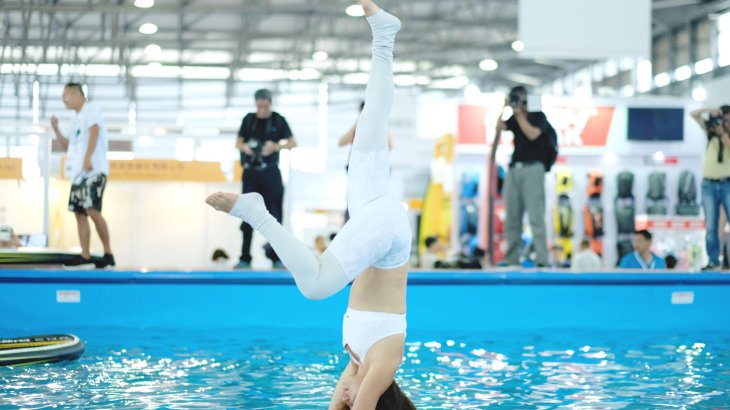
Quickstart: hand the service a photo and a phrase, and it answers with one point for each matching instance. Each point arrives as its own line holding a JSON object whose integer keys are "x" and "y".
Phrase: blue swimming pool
{"x": 248, "y": 340}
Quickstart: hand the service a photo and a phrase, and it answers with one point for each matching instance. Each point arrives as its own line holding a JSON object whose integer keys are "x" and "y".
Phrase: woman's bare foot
{"x": 369, "y": 7}
{"x": 222, "y": 201}
{"x": 250, "y": 207}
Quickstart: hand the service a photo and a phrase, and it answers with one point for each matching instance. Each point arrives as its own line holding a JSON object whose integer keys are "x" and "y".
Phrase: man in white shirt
{"x": 86, "y": 165}
{"x": 586, "y": 260}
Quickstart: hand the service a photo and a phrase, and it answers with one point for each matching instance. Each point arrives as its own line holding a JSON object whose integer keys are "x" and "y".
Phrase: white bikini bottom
{"x": 361, "y": 330}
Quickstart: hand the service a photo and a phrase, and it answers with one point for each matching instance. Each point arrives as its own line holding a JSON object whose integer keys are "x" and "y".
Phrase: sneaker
{"x": 711, "y": 268}
{"x": 109, "y": 260}
{"x": 80, "y": 261}
{"x": 99, "y": 263}
{"x": 277, "y": 265}
{"x": 242, "y": 265}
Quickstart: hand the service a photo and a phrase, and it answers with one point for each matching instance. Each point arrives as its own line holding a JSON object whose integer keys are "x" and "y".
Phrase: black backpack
{"x": 551, "y": 148}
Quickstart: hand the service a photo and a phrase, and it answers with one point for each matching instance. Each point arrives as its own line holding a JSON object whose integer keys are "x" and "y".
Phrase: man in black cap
{"x": 261, "y": 136}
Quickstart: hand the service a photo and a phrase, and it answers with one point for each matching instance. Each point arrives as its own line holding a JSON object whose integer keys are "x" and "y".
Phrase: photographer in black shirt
{"x": 261, "y": 136}
{"x": 535, "y": 152}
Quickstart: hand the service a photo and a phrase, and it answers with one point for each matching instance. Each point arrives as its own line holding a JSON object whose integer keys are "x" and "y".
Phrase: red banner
{"x": 472, "y": 129}
{"x": 576, "y": 127}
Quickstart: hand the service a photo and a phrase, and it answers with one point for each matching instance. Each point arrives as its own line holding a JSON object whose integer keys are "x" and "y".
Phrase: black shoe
{"x": 711, "y": 268}
{"x": 79, "y": 260}
{"x": 109, "y": 260}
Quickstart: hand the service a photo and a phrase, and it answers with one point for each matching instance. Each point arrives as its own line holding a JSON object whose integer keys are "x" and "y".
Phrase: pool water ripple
{"x": 272, "y": 369}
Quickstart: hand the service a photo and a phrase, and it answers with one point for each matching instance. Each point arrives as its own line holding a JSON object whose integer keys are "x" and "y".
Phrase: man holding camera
{"x": 716, "y": 175}
{"x": 261, "y": 136}
{"x": 535, "y": 151}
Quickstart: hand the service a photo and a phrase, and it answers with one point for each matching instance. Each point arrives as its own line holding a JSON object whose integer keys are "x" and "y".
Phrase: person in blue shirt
{"x": 642, "y": 257}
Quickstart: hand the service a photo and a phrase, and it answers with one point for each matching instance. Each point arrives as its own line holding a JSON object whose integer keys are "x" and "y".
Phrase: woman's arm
{"x": 697, "y": 116}
{"x": 383, "y": 360}
{"x": 336, "y": 402}
{"x": 348, "y": 137}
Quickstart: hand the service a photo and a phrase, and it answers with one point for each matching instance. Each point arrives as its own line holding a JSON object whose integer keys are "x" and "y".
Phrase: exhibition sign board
{"x": 163, "y": 170}
{"x": 11, "y": 168}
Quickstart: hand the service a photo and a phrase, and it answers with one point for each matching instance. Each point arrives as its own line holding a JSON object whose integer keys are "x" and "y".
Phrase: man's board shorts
{"x": 87, "y": 193}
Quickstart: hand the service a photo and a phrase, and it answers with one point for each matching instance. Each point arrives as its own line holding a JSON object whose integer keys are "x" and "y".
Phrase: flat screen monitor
{"x": 656, "y": 124}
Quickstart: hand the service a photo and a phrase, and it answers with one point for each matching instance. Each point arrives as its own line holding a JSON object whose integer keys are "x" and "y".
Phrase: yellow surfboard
{"x": 436, "y": 215}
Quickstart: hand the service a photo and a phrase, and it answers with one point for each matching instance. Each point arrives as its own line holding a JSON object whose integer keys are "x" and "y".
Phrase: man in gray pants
{"x": 525, "y": 185}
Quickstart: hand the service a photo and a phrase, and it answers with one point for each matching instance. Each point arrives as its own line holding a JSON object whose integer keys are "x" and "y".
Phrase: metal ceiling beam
{"x": 295, "y": 10}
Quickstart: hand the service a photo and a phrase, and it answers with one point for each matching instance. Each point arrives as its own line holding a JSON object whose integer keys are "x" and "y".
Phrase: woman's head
{"x": 391, "y": 399}
{"x": 394, "y": 399}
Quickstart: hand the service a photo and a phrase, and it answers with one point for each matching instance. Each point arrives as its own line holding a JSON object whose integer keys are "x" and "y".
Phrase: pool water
{"x": 275, "y": 368}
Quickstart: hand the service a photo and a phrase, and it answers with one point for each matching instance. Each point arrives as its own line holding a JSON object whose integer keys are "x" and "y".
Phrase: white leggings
{"x": 378, "y": 233}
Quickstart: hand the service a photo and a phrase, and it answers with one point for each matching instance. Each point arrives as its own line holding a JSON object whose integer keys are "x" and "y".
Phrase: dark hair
{"x": 479, "y": 253}
{"x": 646, "y": 234}
{"x": 724, "y": 108}
{"x": 394, "y": 399}
{"x": 219, "y": 253}
{"x": 670, "y": 261}
{"x": 76, "y": 86}
{"x": 585, "y": 243}
{"x": 263, "y": 94}
{"x": 519, "y": 90}
{"x": 431, "y": 240}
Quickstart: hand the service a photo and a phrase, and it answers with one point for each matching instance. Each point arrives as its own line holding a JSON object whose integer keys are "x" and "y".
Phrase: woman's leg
{"x": 316, "y": 277}
{"x": 362, "y": 241}
{"x": 369, "y": 168}
{"x": 711, "y": 205}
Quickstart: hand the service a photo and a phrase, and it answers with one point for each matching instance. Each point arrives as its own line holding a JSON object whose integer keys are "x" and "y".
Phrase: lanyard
{"x": 642, "y": 262}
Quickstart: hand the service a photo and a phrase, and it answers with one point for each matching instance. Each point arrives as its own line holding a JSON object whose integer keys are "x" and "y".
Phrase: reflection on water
{"x": 298, "y": 369}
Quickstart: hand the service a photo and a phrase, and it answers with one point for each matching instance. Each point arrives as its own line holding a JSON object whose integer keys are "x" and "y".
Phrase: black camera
{"x": 256, "y": 160}
{"x": 713, "y": 122}
{"x": 515, "y": 100}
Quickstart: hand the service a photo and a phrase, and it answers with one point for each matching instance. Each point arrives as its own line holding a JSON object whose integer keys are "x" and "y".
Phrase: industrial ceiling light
{"x": 704, "y": 66}
{"x": 699, "y": 94}
{"x": 144, "y": 4}
{"x": 148, "y": 28}
{"x": 488, "y": 65}
{"x": 518, "y": 45}
{"x": 320, "y": 56}
{"x": 152, "y": 50}
{"x": 355, "y": 10}
{"x": 683, "y": 73}
{"x": 472, "y": 91}
{"x": 662, "y": 79}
